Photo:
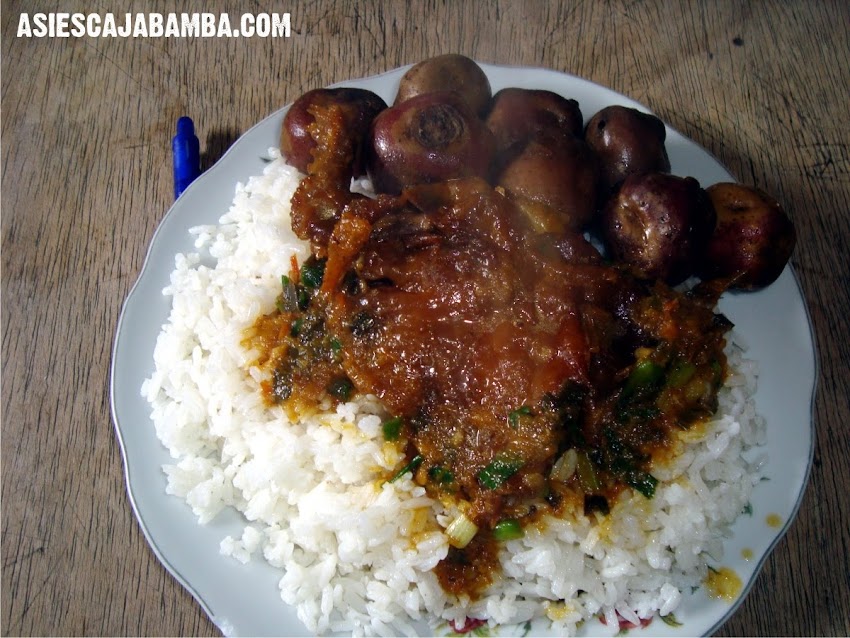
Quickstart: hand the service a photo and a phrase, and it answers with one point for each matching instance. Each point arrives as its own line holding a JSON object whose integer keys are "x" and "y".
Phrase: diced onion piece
{"x": 642, "y": 353}
{"x": 587, "y": 478}
{"x": 460, "y": 531}
{"x": 565, "y": 467}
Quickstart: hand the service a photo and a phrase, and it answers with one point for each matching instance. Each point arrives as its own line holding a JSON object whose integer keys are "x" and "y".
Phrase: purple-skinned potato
{"x": 516, "y": 115}
{"x": 359, "y": 107}
{"x": 429, "y": 138}
{"x": 658, "y": 225}
{"x": 449, "y": 72}
{"x": 627, "y": 142}
{"x": 556, "y": 171}
{"x": 753, "y": 239}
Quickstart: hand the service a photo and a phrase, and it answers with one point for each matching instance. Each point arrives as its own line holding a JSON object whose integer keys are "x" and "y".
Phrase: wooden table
{"x": 86, "y": 131}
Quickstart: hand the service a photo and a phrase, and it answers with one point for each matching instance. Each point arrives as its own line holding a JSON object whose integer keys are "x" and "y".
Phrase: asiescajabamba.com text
{"x": 153, "y": 25}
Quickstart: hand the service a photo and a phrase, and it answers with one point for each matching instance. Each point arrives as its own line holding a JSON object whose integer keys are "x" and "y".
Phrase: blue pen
{"x": 186, "y": 151}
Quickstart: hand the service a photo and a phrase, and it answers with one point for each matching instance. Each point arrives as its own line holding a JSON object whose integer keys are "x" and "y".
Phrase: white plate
{"x": 243, "y": 599}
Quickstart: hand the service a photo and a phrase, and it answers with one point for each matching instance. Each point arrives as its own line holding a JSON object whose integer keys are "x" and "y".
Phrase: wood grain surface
{"x": 86, "y": 178}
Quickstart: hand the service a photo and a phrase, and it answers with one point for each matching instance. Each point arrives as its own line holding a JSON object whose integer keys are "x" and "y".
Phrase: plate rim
{"x": 218, "y": 166}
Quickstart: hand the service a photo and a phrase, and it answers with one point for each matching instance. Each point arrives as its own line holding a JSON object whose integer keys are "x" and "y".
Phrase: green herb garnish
{"x": 415, "y": 462}
{"x": 312, "y": 273}
{"x": 295, "y": 327}
{"x": 499, "y": 470}
{"x": 440, "y": 475}
{"x": 643, "y": 482}
{"x": 392, "y": 428}
{"x": 514, "y": 416}
{"x": 341, "y": 388}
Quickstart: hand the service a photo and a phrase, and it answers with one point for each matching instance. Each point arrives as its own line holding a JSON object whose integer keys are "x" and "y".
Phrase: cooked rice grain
{"x": 356, "y": 553}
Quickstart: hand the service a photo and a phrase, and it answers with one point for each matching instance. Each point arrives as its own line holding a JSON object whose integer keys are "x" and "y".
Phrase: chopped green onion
{"x": 392, "y": 428}
{"x": 461, "y": 531}
{"x": 681, "y": 374}
{"x": 312, "y": 273}
{"x": 415, "y": 462}
{"x": 508, "y": 529}
{"x": 499, "y": 470}
{"x": 295, "y": 328}
{"x": 341, "y": 388}
{"x": 303, "y": 298}
{"x": 670, "y": 619}
{"x": 336, "y": 345}
{"x": 288, "y": 301}
{"x": 643, "y": 482}
{"x": 643, "y": 381}
{"x": 440, "y": 475}
{"x": 513, "y": 417}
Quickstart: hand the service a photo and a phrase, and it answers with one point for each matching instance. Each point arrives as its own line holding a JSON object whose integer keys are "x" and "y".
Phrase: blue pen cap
{"x": 187, "y": 155}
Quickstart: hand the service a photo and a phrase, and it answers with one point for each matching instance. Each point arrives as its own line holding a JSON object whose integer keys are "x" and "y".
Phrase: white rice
{"x": 355, "y": 553}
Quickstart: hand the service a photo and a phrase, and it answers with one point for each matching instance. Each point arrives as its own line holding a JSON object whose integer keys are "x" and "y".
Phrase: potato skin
{"x": 658, "y": 225}
{"x": 628, "y": 142}
{"x": 517, "y": 114}
{"x": 449, "y": 72}
{"x": 753, "y": 239}
{"x": 429, "y": 138}
{"x": 555, "y": 171}
{"x": 359, "y": 106}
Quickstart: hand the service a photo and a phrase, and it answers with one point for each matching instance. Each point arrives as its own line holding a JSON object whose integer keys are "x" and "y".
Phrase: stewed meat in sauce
{"x": 523, "y": 373}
